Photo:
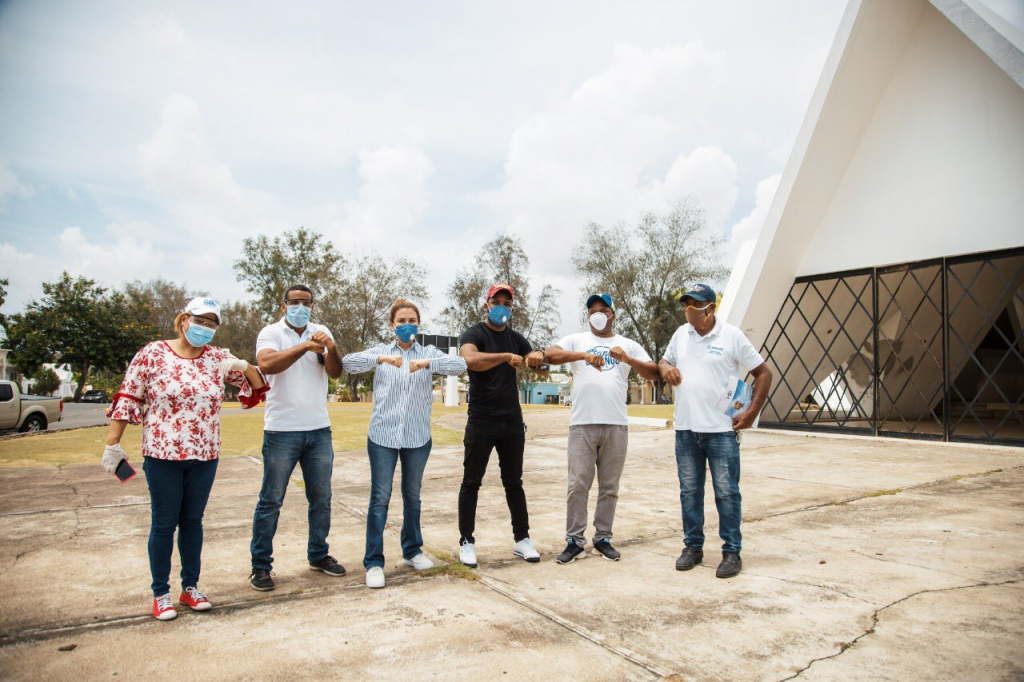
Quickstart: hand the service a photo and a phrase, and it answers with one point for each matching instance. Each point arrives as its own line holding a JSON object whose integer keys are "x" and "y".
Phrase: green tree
{"x": 352, "y": 297}
{"x": 358, "y": 311}
{"x": 47, "y": 382}
{"x": 241, "y": 323}
{"x": 645, "y": 268}
{"x": 106, "y": 380}
{"x": 162, "y": 300}
{"x": 80, "y": 323}
{"x": 503, "y": 260}
{"x": 269, "y": 266}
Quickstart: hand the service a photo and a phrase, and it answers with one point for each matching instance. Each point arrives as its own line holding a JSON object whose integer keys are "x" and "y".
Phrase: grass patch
{"x": 883, "y": 493}
{"x": 450, "y": 566}
{"x": 454, "y": 570}
{"x": 241, "y": 434}
{"x": 656, "y": 411}
{"x": 960, "y": 477}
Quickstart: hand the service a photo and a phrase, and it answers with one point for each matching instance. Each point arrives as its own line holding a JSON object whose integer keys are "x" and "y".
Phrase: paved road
{"x": 82, "y": 414}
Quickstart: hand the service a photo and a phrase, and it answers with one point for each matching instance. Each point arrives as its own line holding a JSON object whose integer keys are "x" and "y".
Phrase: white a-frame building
{"x": 886, "y": 287}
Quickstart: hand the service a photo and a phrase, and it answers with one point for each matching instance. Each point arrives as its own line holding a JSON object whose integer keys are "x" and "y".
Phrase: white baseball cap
{"x": 201, "y": 305}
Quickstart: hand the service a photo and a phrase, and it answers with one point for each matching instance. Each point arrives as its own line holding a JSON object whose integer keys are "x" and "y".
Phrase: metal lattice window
{"x": 986, "y": 347}
{"x": 931, "y": 349}
{"x": 818, "y": 348}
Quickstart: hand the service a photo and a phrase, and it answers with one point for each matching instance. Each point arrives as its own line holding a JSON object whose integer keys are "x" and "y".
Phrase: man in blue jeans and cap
{"x": 700, "y": 359}
{"x": 296, "y": 356}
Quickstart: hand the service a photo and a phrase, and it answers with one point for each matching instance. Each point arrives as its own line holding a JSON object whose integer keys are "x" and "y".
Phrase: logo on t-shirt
{"x": 609, "y": 361}
{"x": 715, "y": 350}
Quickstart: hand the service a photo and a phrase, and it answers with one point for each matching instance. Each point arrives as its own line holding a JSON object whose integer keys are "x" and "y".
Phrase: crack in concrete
{"x": 65, "y": 510}
{"x": 831, "y": 588}
{"x": 846, "y": 646}
{"x": 578, "y": 630}
{"x": 883, "y": 558}
{"x": 81, "y": 627}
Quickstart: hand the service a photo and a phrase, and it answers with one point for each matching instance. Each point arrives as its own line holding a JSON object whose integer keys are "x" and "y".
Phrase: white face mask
{"x": 599, "y": 321}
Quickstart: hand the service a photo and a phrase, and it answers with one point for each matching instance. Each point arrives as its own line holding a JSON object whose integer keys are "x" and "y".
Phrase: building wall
{"x": 939, "y": 170}
{"x": 913, "y": 148}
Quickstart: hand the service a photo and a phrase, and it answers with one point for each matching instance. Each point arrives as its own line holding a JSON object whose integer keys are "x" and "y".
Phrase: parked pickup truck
{"x": 27, "y": 412}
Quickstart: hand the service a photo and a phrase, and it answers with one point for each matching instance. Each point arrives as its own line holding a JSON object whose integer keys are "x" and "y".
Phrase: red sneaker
{"x": 194, "y": 599}
{"x": 163, "y": 609}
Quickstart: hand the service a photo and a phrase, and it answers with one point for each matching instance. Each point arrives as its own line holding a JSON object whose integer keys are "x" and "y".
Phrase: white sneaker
{"x": 467, "y": 554}
{"x": 375, "y": 577}
{"x": 525, "y": 549}
{"x": 420, "y": 562}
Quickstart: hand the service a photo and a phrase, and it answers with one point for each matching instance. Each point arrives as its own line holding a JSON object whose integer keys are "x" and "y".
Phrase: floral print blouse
{"x": 177, "y": 400}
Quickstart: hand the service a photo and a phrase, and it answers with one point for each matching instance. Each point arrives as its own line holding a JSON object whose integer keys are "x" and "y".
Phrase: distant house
{"x": 886, "y": 288}
{"x": 548, "y": 392}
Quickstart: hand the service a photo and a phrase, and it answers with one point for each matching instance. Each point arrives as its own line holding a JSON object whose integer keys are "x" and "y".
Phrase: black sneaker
{"x": 328, "y": 565}
{"x": 261, "y": 580}
{"x": 689, "y": 558}
{"x": 605, "y": 549}
{"x": 730, "y": 566}
{"x": 570, "y": 553}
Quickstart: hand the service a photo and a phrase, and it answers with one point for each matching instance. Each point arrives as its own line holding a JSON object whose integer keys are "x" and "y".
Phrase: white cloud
{"x": 178, "y": 164}
{"x": 598, "y": 155}
{"x": 127, "y": 255}
{"x": 23, "y": 272}
{"x": 747, "y": 229}
{"x": 163, "y": 30}
{"x": 392, "y": 195}
{"x": 11, "y": 186}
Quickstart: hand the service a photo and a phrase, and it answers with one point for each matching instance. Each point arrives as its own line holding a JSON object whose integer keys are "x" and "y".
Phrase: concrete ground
{"x": 862, "y": 559}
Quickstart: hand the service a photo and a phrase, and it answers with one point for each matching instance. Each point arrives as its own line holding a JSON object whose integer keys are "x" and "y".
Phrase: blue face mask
{"x": 406, "y": 332}
{"x": 499, "y": 315}
{"x": 199, "y": 336}
{"x": 297, "y": 315}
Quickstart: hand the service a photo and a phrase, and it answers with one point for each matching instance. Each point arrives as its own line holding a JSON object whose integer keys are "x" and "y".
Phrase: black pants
{"x": 509, "y": 438}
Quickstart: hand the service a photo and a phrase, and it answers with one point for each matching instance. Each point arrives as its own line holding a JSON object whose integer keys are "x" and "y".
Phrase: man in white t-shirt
{"x": 297, "y": 356}
{"x": 600, "y": 361}
{"x": 699, "y": 361}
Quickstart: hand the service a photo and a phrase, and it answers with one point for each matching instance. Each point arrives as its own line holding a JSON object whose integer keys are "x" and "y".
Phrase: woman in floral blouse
{"x": 180, "y": 384}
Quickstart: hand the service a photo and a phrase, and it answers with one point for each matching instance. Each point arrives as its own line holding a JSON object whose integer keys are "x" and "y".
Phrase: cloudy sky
{"x": 142, "y": 139}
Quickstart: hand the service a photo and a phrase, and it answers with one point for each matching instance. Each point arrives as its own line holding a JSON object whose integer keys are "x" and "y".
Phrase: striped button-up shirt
{"x": 402, "y": 399}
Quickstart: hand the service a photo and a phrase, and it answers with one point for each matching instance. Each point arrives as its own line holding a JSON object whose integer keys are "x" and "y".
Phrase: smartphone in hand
{"x": 124, "y": 471}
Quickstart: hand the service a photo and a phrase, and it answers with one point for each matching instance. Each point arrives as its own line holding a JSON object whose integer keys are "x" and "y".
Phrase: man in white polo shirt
{"x": 297, "y": 356}
{"x": 699, "y": 361}
{"x": 600, "y": 361}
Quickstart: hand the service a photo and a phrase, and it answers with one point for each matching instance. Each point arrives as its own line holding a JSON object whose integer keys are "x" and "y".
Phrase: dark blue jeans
{"x": 282, "y": 450}
{"x": 721, "y": 453}
{"x": 382, "y": 475}
{"x": 178, "y": 493}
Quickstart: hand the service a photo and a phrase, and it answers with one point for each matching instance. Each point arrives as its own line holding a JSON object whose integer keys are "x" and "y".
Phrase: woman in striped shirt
{"x": 403, "y": 390}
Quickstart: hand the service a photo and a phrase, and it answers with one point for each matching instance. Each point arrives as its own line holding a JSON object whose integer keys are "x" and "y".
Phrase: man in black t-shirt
{"x": 493, "y": 351}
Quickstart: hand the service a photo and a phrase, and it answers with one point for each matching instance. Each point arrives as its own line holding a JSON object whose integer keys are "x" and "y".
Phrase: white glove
{"x": 232, "y": 364}
{"x": 112, "y": 456}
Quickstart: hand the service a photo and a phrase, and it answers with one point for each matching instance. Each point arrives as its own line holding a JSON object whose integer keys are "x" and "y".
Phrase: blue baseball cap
{"x": 702, "y": 293}
{"x": 600, "y": 297}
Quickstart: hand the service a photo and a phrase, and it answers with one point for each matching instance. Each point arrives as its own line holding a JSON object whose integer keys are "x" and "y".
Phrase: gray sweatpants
{"x": 600, "y": 447}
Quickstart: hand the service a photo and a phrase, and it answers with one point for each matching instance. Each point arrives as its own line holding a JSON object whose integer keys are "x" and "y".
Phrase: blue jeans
{"x": 178, "y": 493}
{"x": 721, "y": 452}
{"x": 282, "y": 450}
{"x": 382, "y": 475}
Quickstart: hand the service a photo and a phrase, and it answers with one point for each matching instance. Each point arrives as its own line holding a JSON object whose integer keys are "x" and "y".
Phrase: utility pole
{"x": 451, "y": 390}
